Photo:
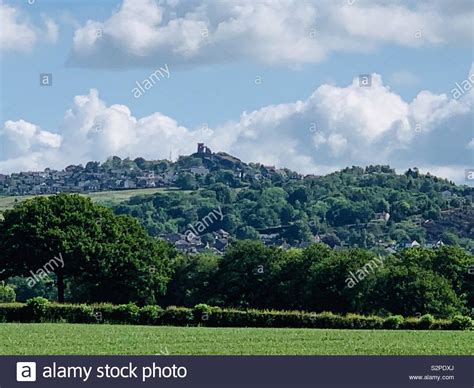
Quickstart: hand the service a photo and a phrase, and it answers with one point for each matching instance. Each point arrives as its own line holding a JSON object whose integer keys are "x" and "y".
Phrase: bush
{"x": 204, "y": 308}
{"x": 355, "y": 321}
{"x": 77, "y": 313}
{"x": 322, "y": 320}
{"x": 7, "y": 294}
{"x": 149, "y": 315}
{"x": 12, "y": 312}
{"x": 202, "y": 312}
{"x": 37, "y": 309}
{"x": 125, "y": 313}
{"x": 178, "y": 316}
{"x": 460, "y": 322}
{"x": 393, "y": 322}
{"x": 426, "y": 321}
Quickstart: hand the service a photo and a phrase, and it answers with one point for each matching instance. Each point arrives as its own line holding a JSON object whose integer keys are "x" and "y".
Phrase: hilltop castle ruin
{"x": 203, "y": 149}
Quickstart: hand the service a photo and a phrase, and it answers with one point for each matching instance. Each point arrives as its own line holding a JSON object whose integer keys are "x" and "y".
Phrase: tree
{"x": 400, "y": 210}
{"x": 299, "y": 193}
{"x": 141, "y": 163}
{"x": 106, "y": 257}
{"x": 344, "y": 212}
{"x": 408, "y": 290}
{"x": 292, "y": 277}
{"x": 230, "y": 222}
{"x": 223, "y": 193}
{"x": 455, "y": 203}
{"x": 92, "y": 167}
{"x": 425, "y": 281}
{"x": 331, "y": 239}
{"x": 382, "y": 205}
{"x": 341, "y": 280}
{"x": 299, "y": 231}
{"x": 247, "y": 233}
{"x": 244, "y": 278}
{"x": 455, "y": 264}
{"x": 186, "y": 181}
{"x": 7, "y": 294}
{"x": 449, "y": 238}
{"x": 191, "y": 282}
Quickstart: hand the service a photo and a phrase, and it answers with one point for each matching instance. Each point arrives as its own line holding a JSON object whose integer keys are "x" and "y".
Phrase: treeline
{"x": 66, "y": 248}
{"x": 412, "y": 282}
{"x": 343, "y": 208}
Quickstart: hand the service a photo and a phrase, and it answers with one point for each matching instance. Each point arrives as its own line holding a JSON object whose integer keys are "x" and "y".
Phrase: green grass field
{"x": 108, "y": 198}
{"x": 54, "y": 339}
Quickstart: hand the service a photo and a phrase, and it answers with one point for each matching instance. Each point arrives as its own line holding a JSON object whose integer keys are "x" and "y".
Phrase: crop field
{"x": 54, "y": 339}
{"x": 108, "y": 198}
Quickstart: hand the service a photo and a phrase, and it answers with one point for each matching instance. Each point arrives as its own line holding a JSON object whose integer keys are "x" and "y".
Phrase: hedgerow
{"x": 41, "y": 310}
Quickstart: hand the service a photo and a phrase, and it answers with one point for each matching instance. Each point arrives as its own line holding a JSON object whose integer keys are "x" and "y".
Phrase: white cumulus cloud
{"x": 19, "y": 34}
{"x": 277, "y": 32}
{"x": 23, "y": 145}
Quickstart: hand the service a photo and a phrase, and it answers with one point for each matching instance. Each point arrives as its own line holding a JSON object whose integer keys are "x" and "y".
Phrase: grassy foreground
{"x": 54, "y": 339}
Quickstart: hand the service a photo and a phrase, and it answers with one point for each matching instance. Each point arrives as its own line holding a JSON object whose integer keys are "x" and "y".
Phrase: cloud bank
{"x": 333, "y": 128}
{"x": 276, "y": 32}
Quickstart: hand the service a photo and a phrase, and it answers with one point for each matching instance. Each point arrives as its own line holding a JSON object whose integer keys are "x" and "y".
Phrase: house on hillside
{"x": 221, "y": 244}
{"x": 413, "y": 244}
{"x": 201, "y": 170}
{"x": 270, "y": 238}
{"x": 384, "y": 216}
{"x": 434, "y": 245}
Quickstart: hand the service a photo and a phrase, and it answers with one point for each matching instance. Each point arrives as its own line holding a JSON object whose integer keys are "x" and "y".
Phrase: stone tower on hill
{"x": 203, "y": 149}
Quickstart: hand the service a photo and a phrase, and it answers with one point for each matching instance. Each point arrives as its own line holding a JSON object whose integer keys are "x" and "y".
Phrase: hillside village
{"x": 204, "y": 169}
{"x": 79, "y": 179}
{"x": 118, "y": 174}
{"x": 221, "y": 240}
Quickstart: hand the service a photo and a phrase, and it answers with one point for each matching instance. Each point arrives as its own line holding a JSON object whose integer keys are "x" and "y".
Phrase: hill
{"x": 370, "y": 207}
{"x": 222, "y": 197}
{"x": 188, "y": 172}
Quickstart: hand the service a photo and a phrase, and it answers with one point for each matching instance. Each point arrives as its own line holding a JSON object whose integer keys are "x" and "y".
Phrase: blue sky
{"x": 262, "y": 58}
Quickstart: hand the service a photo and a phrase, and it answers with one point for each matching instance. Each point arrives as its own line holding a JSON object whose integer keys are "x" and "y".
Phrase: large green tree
{"x": 101, "y": 256}
{"x": 191, "y": 282}
{"x": 245, "y": 275}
